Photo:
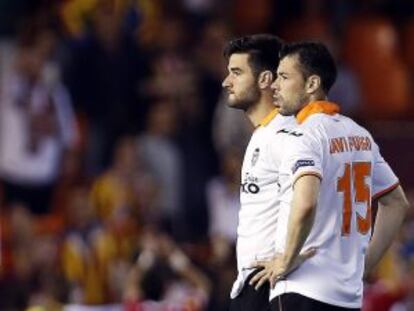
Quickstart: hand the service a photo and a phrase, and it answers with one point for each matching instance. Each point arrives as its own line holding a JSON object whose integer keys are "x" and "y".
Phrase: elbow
{"x": 402, "y": 209}
{"x": 404, "y": 206}
{"x": 395, "y": 201}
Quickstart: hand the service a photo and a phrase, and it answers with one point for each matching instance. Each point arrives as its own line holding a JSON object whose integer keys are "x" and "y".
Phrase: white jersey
{"x": 352, "y": 172}
{"x": 259, "y": 198}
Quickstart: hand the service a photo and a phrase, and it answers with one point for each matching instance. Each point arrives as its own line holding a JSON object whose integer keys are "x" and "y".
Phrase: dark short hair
{"x": 263, "y": 51}
{"x": 314, "y": 59}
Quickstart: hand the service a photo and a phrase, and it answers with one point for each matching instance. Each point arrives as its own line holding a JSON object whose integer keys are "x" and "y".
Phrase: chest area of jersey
{"x": 259, "y": 171}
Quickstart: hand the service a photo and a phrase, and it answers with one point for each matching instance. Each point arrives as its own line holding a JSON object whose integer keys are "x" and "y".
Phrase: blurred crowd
{"x": 120, "y": 161}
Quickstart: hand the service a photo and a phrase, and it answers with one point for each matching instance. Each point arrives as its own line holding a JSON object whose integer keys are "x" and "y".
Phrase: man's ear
{"x": 265, "y": 79}
{"x": 313, "y": 83}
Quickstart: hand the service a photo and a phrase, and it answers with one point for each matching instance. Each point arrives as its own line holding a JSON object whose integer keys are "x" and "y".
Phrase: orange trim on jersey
{"x": 385, "y": 191}
{"x": 308, "y": 173}
{"x": 321, "y": 106}
{"x": 266, "y": 120}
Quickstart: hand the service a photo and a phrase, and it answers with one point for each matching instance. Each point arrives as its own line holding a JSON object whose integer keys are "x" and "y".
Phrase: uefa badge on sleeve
{"x": 302, "y": 163}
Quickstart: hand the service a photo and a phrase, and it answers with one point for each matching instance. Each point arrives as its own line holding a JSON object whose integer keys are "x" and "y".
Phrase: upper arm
{"x": 304, "y": 156}
{"x": 394, "y": 199}
{"x": 302, "y": 168}
{"x": 306, "y": 191}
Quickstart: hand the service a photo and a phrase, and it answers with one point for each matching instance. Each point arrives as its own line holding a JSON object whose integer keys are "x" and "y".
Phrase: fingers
{"x": 274, "y": 279}
{"x": 257, "y": 277}
{"x": 270, "y": 267}
{"x": 262, "y": 280}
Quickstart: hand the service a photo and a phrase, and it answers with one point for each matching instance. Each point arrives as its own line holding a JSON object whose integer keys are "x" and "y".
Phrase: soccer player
{"x": 330, "y": 172}
{"x": 252, "y": 63}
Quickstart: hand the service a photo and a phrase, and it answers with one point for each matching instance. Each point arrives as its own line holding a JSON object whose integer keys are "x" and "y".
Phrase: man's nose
{"x": 275, "y": 85}
{"x": 225, "y": 82}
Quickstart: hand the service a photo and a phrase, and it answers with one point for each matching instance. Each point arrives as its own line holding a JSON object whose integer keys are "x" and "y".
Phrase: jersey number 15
{"x": 354, "y": 177}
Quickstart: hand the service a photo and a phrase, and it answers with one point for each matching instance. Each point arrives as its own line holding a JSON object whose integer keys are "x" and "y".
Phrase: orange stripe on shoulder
{"x": 385, "y": 191}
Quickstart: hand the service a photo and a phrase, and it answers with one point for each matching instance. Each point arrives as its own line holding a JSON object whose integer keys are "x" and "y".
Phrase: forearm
{"x": 388, "y": 222}
{"x": 300, "y": 224}
{"x": 301, "y": 218}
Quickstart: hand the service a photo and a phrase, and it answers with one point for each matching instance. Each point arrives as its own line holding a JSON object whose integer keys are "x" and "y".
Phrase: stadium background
{"x": 116, "y": 144}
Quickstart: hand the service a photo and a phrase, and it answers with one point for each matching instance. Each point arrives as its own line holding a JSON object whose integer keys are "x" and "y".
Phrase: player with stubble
{"x": 330, "y": 172}
{"x": 252, "y": 63}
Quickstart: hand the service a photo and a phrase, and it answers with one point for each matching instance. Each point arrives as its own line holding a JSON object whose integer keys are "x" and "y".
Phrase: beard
{"x": 284, "y": 111}
{"x": 245, "y": 100}
{"x": 290, "y": 109}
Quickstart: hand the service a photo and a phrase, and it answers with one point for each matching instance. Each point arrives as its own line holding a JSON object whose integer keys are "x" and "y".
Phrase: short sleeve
{"x": 303, "y": 155}
{"x": 383, "y": 177}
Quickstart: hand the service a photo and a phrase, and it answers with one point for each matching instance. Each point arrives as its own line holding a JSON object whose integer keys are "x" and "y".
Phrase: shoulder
{"x": 319, "y": 121}
{"x": 301, "y": 141}
{"x": 283, "y": 121}
{"x": 322, "y": 125}
{"x": 281, "y": 125}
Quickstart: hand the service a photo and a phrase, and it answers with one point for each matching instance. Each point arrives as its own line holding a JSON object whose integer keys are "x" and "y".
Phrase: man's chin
{"x": 283, "y": 112}
{"x": 286, "y": 113}
{"x": 235, "y": 105}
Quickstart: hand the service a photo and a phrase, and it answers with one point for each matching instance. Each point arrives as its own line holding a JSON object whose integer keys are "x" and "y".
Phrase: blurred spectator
{"x": 211, "y": 65}
{"x": 118, "y": 199}
{"x": 104, "y": 74}
{"x": 113, "y": 191}
{"x": 88, "y": 253}
{"x": 32, "y": 275}
{"x": 183, "y": 90}
{"x": 223, "y": 197}
{"x": 15, "y": 277}
{"x": 37, "y": 121}
{"x": 74, "y": 15}
{"x": 164, "y": 276}
{"x": 162, "y": 157}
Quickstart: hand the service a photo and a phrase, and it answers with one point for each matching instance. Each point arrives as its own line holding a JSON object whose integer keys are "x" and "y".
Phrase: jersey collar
{"x": 321, "y": 106}
{"x": 270, "y": 116}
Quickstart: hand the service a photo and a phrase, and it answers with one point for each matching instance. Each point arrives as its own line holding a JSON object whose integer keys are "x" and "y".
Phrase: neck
{"x": 317, "y": 97}
{"x": 260, "y": 110}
